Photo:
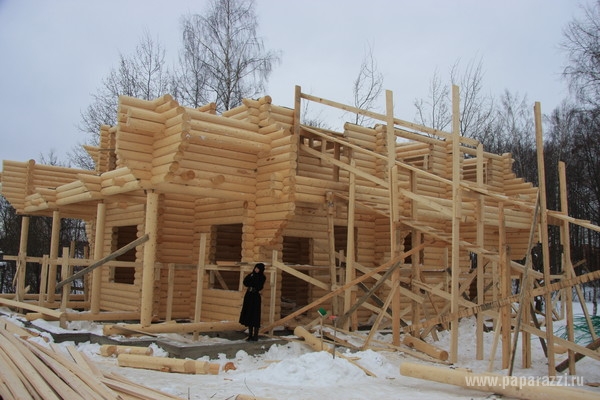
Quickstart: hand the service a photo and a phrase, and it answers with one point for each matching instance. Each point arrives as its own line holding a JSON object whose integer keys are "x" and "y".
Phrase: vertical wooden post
{"x": 98, "y": 254}
{"x": 273, "y": 297}
{"x": 394, "y": 209}
{"x": 43, "y": 281}
{"x": 331, "y": 241}
{"x": 505, "y": 287}
{"x": 524, "y": 303}
{"x": 149, "y": 258}
{"x": 297, "y": 111}
{"x": 526, "y": 284}
{"x": 65, "y": 273}
{"x": 415, "y": 258}
{"x": 54, "y": 248}
{"x": 480, "y": 243}
{"x": 200, "y": 272}
{"x": 350, "y": 294}
{"x": 567, "y": 242}
{"x": 456, "y": 213}
{"x": 495, "y": 343}
{"x": 22, "y": 259}
{"x": 570, "y": 272}
{"x": 544, "y": 235}
{"x": 170, "y": 291}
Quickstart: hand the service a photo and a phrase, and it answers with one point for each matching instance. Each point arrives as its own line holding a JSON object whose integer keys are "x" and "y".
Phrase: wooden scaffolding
{"x": 413, "y": 226}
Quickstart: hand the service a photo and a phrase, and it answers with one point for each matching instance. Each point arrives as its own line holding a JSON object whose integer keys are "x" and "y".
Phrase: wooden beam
{"x": 98, "y": 247}
{"x": 331, "y": 247}
{"x": 54, "y": 250}
{"x": 104, "y": 260}
{"x": 29, "y": 306}
{"x": 456, "y": 216}
{"x": 350, "y": 295}
{"x": 300, "y": 275}
{"x": 149, "y": 258}
{"x": 19, "y": 279}
{"x": 297, "y": 109}
{"x": 525, "y": 285}
{"x": 380, "y": 316}
{"x": 367, "y": 295}
{"x": 505, "y": 288}
{"x": 577, "y": 356}
{"x": 200, "y": 271}
{"x": 565, "y": 240}
{"x": 544, "y": 236}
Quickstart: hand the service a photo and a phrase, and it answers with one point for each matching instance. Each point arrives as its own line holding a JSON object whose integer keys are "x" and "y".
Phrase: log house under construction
{"x": 392, "y": 226}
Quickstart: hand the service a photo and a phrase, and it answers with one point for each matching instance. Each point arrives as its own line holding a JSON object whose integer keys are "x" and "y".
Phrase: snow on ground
{"x": 295, "y": 372}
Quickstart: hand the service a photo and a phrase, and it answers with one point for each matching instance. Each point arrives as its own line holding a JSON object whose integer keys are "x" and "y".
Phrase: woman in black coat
{"x": 251, "y": 308}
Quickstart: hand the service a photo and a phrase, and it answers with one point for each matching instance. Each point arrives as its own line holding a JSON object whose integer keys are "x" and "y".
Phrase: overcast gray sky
{"x": 54, "y": 54}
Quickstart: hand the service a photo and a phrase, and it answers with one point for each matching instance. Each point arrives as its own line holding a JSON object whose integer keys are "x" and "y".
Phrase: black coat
{"x": 250, "y": 314}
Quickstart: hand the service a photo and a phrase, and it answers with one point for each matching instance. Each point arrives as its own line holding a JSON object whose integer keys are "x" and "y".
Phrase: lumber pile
{"x": 34, "y": 371}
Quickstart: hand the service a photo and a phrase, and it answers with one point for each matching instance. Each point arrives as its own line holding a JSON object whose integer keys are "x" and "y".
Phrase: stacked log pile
{"x": 34, "y": 371}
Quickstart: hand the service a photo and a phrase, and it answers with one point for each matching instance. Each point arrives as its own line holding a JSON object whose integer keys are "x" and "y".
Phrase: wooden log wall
{"x": 184, "y": 290}
{"x": 176, "y": 227}
{"x": 104, "y": 155}
{"x": 275, "y": 177}
{"x": 163, "y": 143}
{"x": 225, "y": 305}
{"x": 121, "y": 296}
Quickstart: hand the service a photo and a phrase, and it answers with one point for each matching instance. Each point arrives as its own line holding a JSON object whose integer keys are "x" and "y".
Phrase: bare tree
{"x": 582, "y": 45}
{"x": 143, "y": 74}
{"x": 476, "y": 108}
{"x": 513, "y": 132}
{"x": 434, "y": 111}
{"x": 224, "y": 54}
{"x": 367, "y": 86}
{"x": 190, "y": 84}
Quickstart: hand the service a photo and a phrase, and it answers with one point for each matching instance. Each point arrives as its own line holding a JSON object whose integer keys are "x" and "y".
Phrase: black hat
{"x": 260, "y": 266}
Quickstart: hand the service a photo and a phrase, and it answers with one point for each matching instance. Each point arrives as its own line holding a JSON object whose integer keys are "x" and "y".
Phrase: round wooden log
{"x": 311, "y": 340}
{"x": 164, "y": 364}
{"x": 217, "y": 119}
{"x": 219, "y": 129}
{"x": 512, "y": 386}
{"x": 108, "y": 350}
{"x": 226, "y": 142}
{"x": 147, "y": 115}
{"x": 249, "y": 397}
{"x": 426, "y": 348}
